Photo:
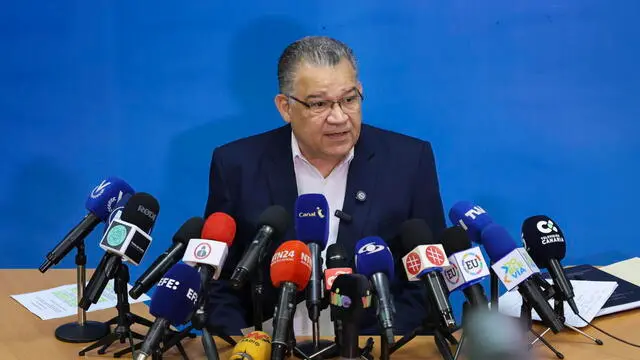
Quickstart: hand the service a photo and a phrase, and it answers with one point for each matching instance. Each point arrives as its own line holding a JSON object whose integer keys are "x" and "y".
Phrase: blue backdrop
{"x": 531, "y": 107}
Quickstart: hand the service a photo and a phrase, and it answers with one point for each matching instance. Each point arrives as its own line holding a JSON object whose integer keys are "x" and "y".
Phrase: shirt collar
{"x": 295, "y": 151}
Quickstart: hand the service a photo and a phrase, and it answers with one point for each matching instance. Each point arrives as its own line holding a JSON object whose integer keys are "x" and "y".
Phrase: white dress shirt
{"x": 333, "y": 187}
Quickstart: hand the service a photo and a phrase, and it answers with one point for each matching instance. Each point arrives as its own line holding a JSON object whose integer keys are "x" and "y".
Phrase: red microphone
{"x": 290, "y": 271}
{"x": 210, "y": 252}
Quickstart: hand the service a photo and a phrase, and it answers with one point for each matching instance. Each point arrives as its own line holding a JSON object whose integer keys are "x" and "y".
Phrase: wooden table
{"x": 24, "y": 336}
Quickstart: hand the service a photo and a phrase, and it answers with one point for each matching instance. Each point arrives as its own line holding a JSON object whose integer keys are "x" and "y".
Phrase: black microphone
{"x": 470, "y": 268}
{"x": 126, "y": 238}
{"x": 100, "y": 203}
{"x": 337, "y": 264}
{"x": 424, "y": 261}
{"x": 272, "y": 224}
{"x": 350, "y": 295}
{"x": 191, "y": 229}
{"x": 544, "y": 241}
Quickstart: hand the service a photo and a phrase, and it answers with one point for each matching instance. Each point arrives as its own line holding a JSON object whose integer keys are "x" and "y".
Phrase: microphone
{"x": 337, "y": 264}
{"x": 374, "y": 260}
{"x": 468, "y": 267}
{"x": 290, "y": 271}
{"x": 256, "y": 345}
{"x": 544, "y": 241}
{"x": 209, "y": 253}
{"x": 471, "y": 217}
{"x": 189, "y": 230}
{"x": 100, "y": 204}
{"x": 174, "y": 299}
{"x": 350, "y": 295}
{"x": 424, "y": 262}
{"x": 312, "y": 228}
{"x": 126, "y": 238}
{"x": 272, "y": 224}
{"x": 515, "y": 268}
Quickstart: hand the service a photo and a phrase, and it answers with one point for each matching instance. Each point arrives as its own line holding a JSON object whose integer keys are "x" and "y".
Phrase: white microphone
{"x": 466, "y": 267}
{"x": 417, "y": 263}
{"x": 514, "y": 268}
{"x": 126, "y": 240}
{"x": 210, "y": 255}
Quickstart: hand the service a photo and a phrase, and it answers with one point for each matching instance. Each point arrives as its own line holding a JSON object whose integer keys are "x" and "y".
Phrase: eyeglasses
{"x": 348, "y": 104}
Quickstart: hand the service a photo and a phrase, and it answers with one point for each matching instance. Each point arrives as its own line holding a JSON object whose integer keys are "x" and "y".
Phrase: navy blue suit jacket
{"x": 397, "y": 174}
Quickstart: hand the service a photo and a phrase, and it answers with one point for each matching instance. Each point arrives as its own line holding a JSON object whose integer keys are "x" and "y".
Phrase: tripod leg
{"x": 140, "y": 320}
{"x": 300, "y": 354}
{"x": 538, "y": 338}
{"x": 442, "y": 345}
{"x": 458, "y": 350}
{"x": 127, "y": 350}
{"x": 451, "y": 338}
{"x": 556, "y": 352}
{"x": 181, "y": 351}
{"x": 227, "y": 338}
{"x": 209, "y": 346}
{"x": 105, "y": 342}
{"x": 597, "y": 341}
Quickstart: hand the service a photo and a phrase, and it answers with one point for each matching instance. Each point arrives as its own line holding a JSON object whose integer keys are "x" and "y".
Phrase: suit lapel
{"x": 280, "y": 174}
{"x": 361, "y": 182}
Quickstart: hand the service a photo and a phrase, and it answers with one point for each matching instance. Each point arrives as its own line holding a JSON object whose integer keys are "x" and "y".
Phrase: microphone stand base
{"x": 76, "y": 333}
{"x": 306, "y": 347}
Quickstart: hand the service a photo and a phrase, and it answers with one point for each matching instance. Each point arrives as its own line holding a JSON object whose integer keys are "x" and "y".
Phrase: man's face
{"x": 324, "y": 131}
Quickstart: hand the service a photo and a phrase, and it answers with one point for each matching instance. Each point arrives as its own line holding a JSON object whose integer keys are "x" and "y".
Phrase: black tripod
{"x": 123, "y": 320}
{"x": 199, "y": 321}
{"x": 558, "y": 309}
{"x": 441, "y": 334}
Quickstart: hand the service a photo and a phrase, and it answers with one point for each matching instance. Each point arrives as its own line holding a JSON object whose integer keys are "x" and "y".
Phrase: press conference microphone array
{"x": 424, "y": 262}
{"x": 312, "y": 228}
{"x": 174, "y": 299}
{"x": 256, "y": 345}
{"x": 272, "y": 224}
{"x": 350, "y": 295}
{"x": 375, "y": 261}
{"x": 544, "y": 241}
{"x": 191, "y": 229}
{"x": 290, "y": 271}
{"x": 100, "y": 203}
{"x": 515, "y": 268}
{"x": 126, "y": 239}
{"x": 468, "y": 268}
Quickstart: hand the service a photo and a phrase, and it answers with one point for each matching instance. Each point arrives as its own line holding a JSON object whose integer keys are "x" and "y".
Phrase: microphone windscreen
{"x": 373, "y": 256}
{"x": 543, "y": 239}
{"x": 219, "y": 227}
{"x": 176, "y": 294}
{"x": 471, "y": 217}
{"x": 337, "y": 257}
{"x": 455, "y": 239}
{"x": 350, "y": 293}
{"x": 191, "y": 229}
{"x": 291, "y": 262}
{"x": 277, "y": 218}
{"x": 312, "y": 219}
{"x": 497, "y": 242}
{"x": 256, "y": 345}
{"x": 415, "y": 232}
{"x": 141, "y": 210}
{"x": 104, "y": 197}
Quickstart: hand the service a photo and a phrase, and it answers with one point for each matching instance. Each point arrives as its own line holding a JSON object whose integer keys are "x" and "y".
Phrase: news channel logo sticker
{"x": 116, "y": 235}
{"x": 472, "y": 264}
{"x": 202, "y": 251}
{"x": 513, "y": 269}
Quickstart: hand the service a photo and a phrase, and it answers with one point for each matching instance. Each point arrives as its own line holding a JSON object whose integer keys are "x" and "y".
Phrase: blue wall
{"x": 531, "y": 108}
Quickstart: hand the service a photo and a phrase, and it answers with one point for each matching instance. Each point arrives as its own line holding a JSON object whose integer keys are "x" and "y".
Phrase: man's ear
{"x": 283, "y": 106}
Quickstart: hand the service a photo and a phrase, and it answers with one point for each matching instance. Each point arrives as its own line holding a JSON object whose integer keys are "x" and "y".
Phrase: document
{"x": 62, "y": 301}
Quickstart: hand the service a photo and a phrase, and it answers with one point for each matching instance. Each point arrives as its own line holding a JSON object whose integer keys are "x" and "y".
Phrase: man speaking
{"x": 376, "y": 178}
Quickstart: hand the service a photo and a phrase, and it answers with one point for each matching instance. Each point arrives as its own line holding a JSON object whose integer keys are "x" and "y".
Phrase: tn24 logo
{"x": 513, "y": 269}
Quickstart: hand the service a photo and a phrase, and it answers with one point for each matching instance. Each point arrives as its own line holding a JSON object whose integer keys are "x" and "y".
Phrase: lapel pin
{"x": 361, "y": 196}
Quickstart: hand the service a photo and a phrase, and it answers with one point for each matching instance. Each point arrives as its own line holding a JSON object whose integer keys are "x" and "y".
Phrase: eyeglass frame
{"x": 333, "y": 102}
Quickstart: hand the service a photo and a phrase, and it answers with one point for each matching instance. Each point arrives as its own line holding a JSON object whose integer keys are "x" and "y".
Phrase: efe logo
{"x": 169, "y": 283}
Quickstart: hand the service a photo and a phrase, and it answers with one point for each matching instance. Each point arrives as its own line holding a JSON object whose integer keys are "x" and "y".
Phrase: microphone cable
{"x": 608, "y": 334}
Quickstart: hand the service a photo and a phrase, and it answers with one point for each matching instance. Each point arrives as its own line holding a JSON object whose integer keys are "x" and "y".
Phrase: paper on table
{"x": 590, "y": 296}
{"x": 627, "y": 270}
{"x": 62, "y": 301}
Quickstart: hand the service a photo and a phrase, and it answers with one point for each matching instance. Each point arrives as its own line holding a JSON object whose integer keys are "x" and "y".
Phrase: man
{"x": 379, "y": 178}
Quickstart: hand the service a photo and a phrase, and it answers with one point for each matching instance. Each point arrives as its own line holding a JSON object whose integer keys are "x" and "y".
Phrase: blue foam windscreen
{"x": 373, "y": 256}
{"x": 471, "y": 217}
{"x": 176, "y": 294}
{"x": 497, "y": 241}
{"x": 105, "y": 196}
{"x": 312, "y": 219}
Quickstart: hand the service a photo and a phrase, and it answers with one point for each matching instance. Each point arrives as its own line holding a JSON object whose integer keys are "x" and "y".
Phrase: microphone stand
{"x": 431, "y": 324}
{"x": 525, "y": 315}
{"x": 558, "y": 309}
{"x": 257, "y": 292}
{"x": 82, "y": 331}
{"x": 199, "y": 321}
{"x": 123, "y": 320}
{"x": 495, "y": 289}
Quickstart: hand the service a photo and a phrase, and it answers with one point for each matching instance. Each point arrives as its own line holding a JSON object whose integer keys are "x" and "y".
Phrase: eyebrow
{"x": 321, "y": 95}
